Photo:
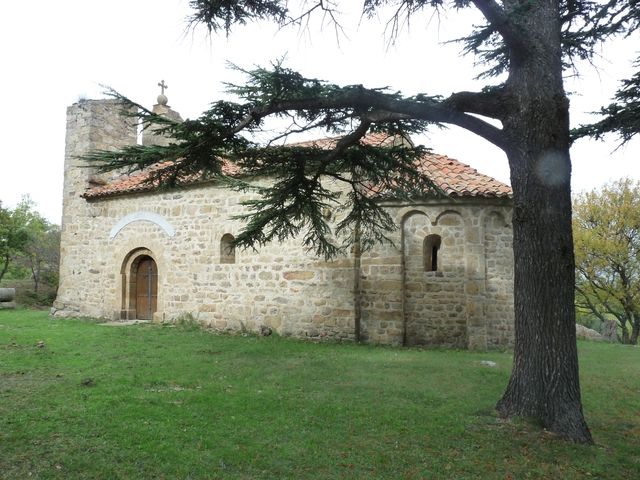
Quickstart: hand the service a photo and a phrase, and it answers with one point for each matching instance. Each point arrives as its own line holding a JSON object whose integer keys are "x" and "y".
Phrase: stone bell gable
{"x": 131, "y": 251}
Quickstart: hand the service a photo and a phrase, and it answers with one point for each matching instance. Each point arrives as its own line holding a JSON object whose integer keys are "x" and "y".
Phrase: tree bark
{"x": 5, "y": 266}
{"x": 35, "y": 274}
{"x": 544, "y": 382}
{"x": 635, "y": 331}
{"x": 625, "y": 333}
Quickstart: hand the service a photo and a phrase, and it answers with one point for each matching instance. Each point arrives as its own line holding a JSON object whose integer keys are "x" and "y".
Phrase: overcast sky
{"x": 55, "y": 53}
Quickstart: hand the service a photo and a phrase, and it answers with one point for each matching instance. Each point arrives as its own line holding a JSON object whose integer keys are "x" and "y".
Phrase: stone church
{"x": 130, "y": 251}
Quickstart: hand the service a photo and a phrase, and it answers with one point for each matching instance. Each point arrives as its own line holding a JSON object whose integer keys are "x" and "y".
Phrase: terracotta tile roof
{"x": 459, "y": 179}
{"x": 377, "y": 139}
{"x": 139, "y": 182}
{"x": 453, "y": 177}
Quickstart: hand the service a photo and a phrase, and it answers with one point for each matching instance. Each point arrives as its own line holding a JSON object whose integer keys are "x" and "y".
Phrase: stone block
{"x": 391, "y": 285}
{"x": 477, "y": 341}
{"x": 299, "y": 275}
{"x": 273, "y": 321}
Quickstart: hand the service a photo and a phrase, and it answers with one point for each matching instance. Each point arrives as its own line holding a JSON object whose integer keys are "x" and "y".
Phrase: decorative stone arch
{"x": 142, "y": 216}
{"x": 433, "y": 283}
{"x": 406, "y": 216}
{"x": 405, "y": 213}
{"x": 497, "y": 214}
{"x": 140, "y": 274}
{"x": 447, "y": 216}
{"x": 405, "y": 265}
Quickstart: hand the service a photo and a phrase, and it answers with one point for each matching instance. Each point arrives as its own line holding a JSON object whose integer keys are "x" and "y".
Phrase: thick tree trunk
{"x": 544, "y": 383}
{"x": 625, "y": 333}
{"x": 5, "y": 266}
{"x": 635, "y": 331}
{"x": 35, "y": 275}
{"x": 634, "y": 321}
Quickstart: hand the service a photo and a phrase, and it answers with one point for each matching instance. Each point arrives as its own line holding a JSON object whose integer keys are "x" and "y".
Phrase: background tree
{"x": 13, "y": 235}
{"x": 527, "y": 45}
{"x": 29, "y": 243}
{"x": 4, "y": 240}
{"x": 41, "y": 253}
{"x": 607, "y": 246}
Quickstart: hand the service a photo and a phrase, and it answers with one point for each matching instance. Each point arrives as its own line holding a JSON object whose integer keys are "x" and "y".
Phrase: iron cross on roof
{"x": 162, "y": 86}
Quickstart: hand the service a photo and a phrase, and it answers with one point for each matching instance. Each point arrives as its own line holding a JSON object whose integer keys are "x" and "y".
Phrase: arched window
{"x": 227, "y": 249}
{"x": 430, "y": 248}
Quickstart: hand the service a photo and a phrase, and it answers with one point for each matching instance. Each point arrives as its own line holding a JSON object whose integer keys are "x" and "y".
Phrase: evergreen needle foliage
{"x": 303, "y": 178}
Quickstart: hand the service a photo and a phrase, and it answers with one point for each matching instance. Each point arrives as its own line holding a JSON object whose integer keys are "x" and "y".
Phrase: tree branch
{"x": 589, "y": 305}
{"x": 344, "y": 143}
{"x": 500, "y": 21}
{"x": 488, "y": 103}
{"x": 390, "y": 108}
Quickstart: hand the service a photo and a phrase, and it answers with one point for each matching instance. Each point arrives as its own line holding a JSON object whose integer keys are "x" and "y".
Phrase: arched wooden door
{"x": 146, "y": 288}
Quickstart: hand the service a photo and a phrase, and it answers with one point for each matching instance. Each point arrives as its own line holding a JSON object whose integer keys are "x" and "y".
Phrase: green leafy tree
{"x": 13, "y": 236}
{"x": 5, "y": 228}
{"x": 29, "y": 243}
{"x": 606, "y": 227}
{"x": 41, "y": 253}
{"x": 527, "y": 45}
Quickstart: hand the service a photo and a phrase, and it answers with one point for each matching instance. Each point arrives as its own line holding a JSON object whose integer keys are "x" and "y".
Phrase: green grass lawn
{"x": 152, "y": 402}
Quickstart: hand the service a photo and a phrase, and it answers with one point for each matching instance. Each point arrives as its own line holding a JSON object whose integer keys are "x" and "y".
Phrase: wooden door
{"x": 146, "y": 289}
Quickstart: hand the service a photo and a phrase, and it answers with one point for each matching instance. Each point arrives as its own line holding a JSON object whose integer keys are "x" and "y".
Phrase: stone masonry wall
{"x": 91, "y": 125}
{"x": 499, "y": 280}
{"x": 467, "y": 302}
{"x": 434, "y": 305}
{"x": 280, "y": 287}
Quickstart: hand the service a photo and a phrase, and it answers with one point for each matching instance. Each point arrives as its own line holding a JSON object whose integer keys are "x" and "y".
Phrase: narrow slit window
{"x": 227, "y": 249}
{"x": 430, "y": 252}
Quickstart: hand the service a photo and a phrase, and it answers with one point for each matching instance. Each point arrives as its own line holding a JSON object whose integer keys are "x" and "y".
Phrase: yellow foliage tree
{"x": 606, "y": 226}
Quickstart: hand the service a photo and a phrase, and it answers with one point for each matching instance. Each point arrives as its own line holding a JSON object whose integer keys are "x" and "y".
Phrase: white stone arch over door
{"x": 142, "y": 216}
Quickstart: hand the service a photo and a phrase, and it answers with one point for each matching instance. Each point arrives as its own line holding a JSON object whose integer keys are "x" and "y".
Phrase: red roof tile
{"x": 139, "y": 182}
{"x": 459, "y": 179}
{"x": 453, "y": 177}
{"x": 376, "y": 139}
